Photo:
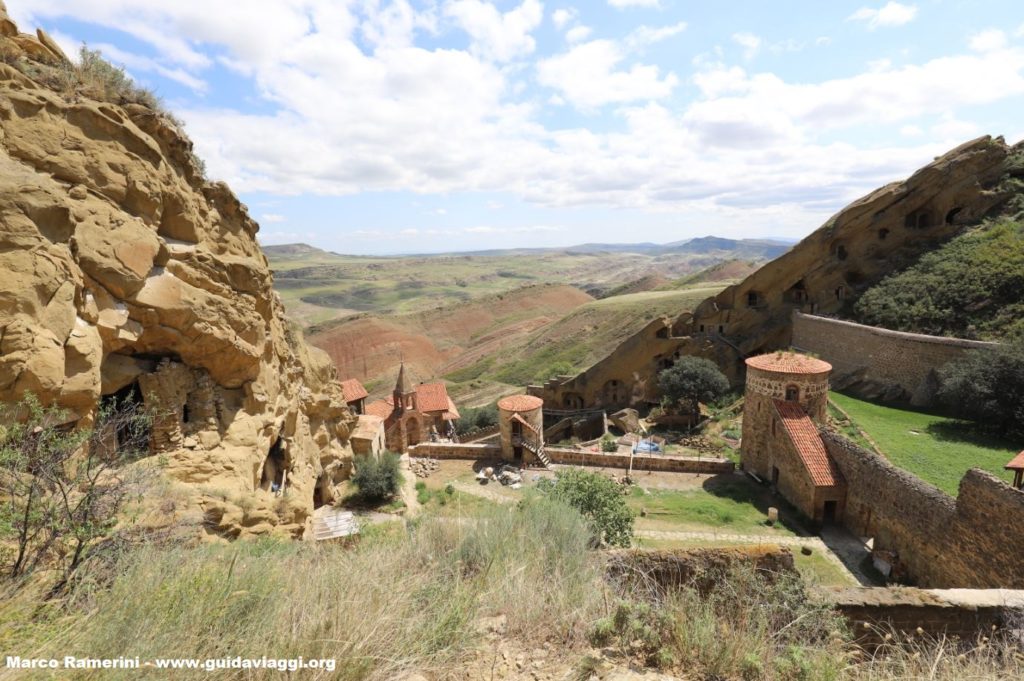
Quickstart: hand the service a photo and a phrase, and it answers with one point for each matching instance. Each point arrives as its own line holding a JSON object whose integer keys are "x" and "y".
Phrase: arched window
{"x": 792, "y": 393}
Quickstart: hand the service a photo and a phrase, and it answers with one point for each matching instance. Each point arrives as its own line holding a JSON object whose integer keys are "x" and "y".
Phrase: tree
{"x": 987, "y": 386}
{"x": 377, "y": 478}
{"x": 598, "y": 499}
{"x": 692, "y": 380}
{"x": 62, "y": 487}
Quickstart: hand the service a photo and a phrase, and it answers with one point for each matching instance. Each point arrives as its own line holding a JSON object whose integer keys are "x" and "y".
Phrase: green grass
{"x": 937, "y": 449}
{"x": 736, "y": 506}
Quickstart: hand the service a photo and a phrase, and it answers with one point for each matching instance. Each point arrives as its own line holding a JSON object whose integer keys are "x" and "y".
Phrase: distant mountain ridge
{"x": 738, "y": 248}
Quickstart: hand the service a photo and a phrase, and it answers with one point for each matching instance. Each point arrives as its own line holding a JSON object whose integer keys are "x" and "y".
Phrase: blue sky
{"x": 391, "y": 126}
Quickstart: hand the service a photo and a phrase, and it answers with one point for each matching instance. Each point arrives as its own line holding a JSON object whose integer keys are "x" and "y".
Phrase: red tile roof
{"x": 1016, "y": 463}
{"x": 520, "y": 419}
{"x": 789, "y": 363}
{"x": 381, "y": 408}
{"x": 432, "y": 397}
{"x": 520, "y": 403}
{"x": 453, "y": 412}
{"x": 808, "y": 445}
{"x": 353, "y": 390}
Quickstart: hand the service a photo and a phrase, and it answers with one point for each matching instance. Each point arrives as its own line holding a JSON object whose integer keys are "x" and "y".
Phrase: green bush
{"x": 377, "y": 478}
{"x": 969, "y": 288}
{"x": 598, "y": 499}
{"x": 987, "y": 386}
{"x": 477, "y": 418}
{"x": 608, "y": 444}
{"x": 692, "y": 380}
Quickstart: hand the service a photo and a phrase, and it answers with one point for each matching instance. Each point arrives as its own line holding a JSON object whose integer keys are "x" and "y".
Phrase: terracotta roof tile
{"x": 353, "y": 390}
{"x": 789, "y": 363}
{"x": 1016, "y": 463}
{"x": 432, "y": 397}
{"x": 520, "y": 419}
{"x": 520, "y": 403}
{"x": 380, "y": 408}
{"x": 808, "y": 444}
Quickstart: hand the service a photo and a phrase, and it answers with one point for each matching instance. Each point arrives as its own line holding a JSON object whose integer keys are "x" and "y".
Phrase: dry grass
{"x": 410, "y": 599}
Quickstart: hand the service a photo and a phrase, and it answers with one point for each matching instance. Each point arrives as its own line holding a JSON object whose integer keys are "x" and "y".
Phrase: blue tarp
{"x": 646, "y": 446}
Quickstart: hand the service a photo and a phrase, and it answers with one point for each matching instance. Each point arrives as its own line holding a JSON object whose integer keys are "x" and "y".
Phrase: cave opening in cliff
{"x": 882, "y": 234}
{"x": 839, "y": 251}
{"x": 797, "y": 293}
{"x": 273, "y": 478}
{"x": 951, "y": 215}
{"x": 123, "y": 413}
{"x": 319, "y": 491}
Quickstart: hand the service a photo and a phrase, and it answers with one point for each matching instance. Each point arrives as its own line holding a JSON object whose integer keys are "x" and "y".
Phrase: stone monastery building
{"x": 415, "y": 413}
{"x": 785, "y": 400}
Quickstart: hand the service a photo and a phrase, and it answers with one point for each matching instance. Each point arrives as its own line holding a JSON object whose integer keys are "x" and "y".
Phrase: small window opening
{"x": 840, "y": 292}
{"x": 792, "y": 393}
{"x": 882, "y": 234}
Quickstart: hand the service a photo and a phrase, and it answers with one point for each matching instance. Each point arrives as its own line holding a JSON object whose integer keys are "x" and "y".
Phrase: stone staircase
{"x": 538, "y": 451}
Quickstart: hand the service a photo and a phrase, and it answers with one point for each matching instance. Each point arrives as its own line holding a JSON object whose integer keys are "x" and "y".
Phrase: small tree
{"x": 692, "y": 380}
{"x": 377, "y": 478}
{"x": 987, "y": 386}
{"x": 62, "y": 487}
{"x": 598, "y": 499}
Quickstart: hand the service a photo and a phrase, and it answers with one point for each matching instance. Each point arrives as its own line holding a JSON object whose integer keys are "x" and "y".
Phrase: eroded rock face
{"x": 123, "y": 272}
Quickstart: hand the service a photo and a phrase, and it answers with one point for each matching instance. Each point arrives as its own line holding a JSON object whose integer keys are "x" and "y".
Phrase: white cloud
{"x": 649, "y": 35}
{"x": 988, "y": 40}
{"x": 588, "y": 75}
{"x": 891, "y": 14}
{"x": 1019, "y": 32}
{"x": 273, "y": 217}
{"x": 577, "y": 34}
{"x": 343, "y": 114}
{"x": 563, "y": 16}
{"x": 495, "y": 35}
{"x": 951, "y": 129}
{"x": 822, "y": 41}
{"x": 136, "y": 64}
{"x": 621, "y": 4}
{"x": 749, "y": 42}
{"x": 911, "y": 131}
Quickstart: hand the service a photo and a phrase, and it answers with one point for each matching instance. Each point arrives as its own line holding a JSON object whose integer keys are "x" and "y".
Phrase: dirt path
{"x": 412, "y": 504}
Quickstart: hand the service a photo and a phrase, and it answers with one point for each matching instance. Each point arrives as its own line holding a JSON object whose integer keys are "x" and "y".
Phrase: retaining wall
{"x": 966, "y": 613}
{"x": 878, "y": 363}
{"x": 641, "y": 462}
{"x": 448, "y": 450}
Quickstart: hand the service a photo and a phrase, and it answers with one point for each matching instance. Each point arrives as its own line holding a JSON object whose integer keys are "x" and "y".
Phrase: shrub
{"x": 987, "y": 386}
{"x": 608, "y": 444}
{"x": 62, "y": 488}
{"x": 377, "y": 478}
{"x": 477, "y": 418}
{"x": 598, "y": 499}
{"x": 692, "y": 380}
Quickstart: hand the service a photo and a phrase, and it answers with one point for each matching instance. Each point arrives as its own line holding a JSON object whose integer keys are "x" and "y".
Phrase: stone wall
{"x": 965, "y": 613}
{"x": 641, "y": 462}
{"x": 973, "y": 541}
{"x": 451, "y": 450}
{"x": 879, "y": 363}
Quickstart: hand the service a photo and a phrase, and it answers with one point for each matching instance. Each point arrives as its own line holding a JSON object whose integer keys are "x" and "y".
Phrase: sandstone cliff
{"x": 874, "y": 236}
{"x": 124, "y": 272}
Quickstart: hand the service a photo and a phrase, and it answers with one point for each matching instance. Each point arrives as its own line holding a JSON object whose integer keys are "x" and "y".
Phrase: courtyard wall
{"x": 879, "y": 363}
{"x": 972, "y": 541}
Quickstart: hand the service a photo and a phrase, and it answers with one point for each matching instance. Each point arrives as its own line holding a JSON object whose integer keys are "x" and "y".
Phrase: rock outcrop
{"x": 124, "y": 273}
{"x": 874, "y": 236}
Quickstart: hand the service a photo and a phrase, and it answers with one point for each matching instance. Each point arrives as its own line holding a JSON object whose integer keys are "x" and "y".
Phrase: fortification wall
{"x": 972, "y": 541}
{"x": 878, "y": 363}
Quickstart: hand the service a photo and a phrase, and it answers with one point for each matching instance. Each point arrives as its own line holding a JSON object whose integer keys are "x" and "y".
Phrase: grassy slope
{"x": 970, "y": 287}
{"x": 937, "y": 449}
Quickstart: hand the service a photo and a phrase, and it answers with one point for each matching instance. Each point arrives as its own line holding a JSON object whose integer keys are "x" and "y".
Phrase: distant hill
{"x": 292, "y": 250}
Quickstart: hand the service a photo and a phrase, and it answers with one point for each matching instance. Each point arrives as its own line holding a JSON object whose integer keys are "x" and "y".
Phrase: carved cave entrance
{"x": 120, "y": 407}
{"x": 275, "y": 466}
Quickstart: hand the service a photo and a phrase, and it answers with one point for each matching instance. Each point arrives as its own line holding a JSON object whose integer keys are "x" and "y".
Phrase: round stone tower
{"x": 521, "y": 419}
{"x": 785, "y": 377}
